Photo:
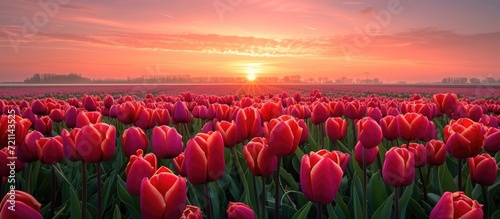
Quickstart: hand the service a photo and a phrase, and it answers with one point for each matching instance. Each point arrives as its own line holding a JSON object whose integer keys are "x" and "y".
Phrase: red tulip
{"x": 163, "y": 116}
{"x": 44, "y": 125}
{"x": 248, "y": 123}
{"x": 389, "y": 127}
{"x": 134, "y": 139}
{"x": 38, "y": 107}
{"x": 374, "y": 113}
{"x": 259, "y": 158}
{"x": 270, "y": 110}
{"x": 20, "y": 205}
{"x": 228, "y": 131}
{"x": 430, "y": 132}
{"x": 446, "y": 102}
{"x": 181, "y": 113}
{"x": 57, "y": 115}
{"x": 369, "y": 132}
{"x": 456, "y": 205}
{"x": 412, "y": 126}
{"x": 147, "y": 118}
{"x": 28, "y": 114}
{"x": 336, "y": 128}
{"x": 192, "y": 212}
{"x": 126, "y": 113}
{"x": 108, "y": 101}
{"x": 71, "y": 114}
{"x": 89, "y": 103}
{"x": 69, "y": 145}
{"x": 238, "y": 210}
{"x": 436, "y": 152}
{"x": 337, "y": 108}
{"x": 179, "y": 165}
{"x": 464, "y": 138}
{"x": 320, "y": 113}
{"x": 20, "y": 128}
{"x": 370, "y": 154}
{"x": 166, "y": 142}
{"x": 399, "y": 167}
{"x": 87, "y": 118}
{"x": 283, "y": 135}
{"x": 419, "y": 153}
{"x": 96, "y": 142}
{"x": 487, "y": 120}
{"x": 491, "y": 140}
{"x": 315, "y": 184}
{"x": 305, "y": 131}
{"x": 49, "y": 150}
{"x": 204, "y": 158}
{"x": 483, "y": 169}
{"x": 355, "y": 110}
{"x": 138, "y": 168}
{"x": 8, "y": 155}
{"x": 163, "y": 195}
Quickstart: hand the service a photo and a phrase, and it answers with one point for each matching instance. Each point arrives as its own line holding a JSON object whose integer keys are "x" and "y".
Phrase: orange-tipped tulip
{"x": 229, "y": 132}
{"x": 446, "y": 102}
{"x": 163, "y": 195}
{"x": 315, "y": 184}
{"x": 456, "y": 205}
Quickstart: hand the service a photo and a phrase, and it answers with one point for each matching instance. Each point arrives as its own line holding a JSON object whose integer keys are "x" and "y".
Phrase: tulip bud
{"x": 483, "y": 169}
{"x": 464, "y": 138}
{"x": 166, "y": 142}
{"x": 96, "y": 142}
{"x": 49, "y": 150}
{"x": 436, "y": 152}
{"x": 204, "y": 158}
{"x": 192, "y": 212}
{"x": 369, "y": 132}
{"x": 134, "y": 139}
{"x": 259, "y": 158}
{"x": 44, "y": 125}
{"x": 336, "y": 128}
{"x": 399, "y": 167}
{"x": 370, "y": 154}
{"x": 419, "y": 153}
{"x": 491, "y": 140}
{"x": 139, "y": 167}
{"x": 87, "y": 118}
{"x": 320, "y": 113}
{"x": 238, "y": 210}
{"x": 228, "y": 131}
{"x": 283, "y": 135}
{"x": 25, "y": 206}
{"x": 317, "y": 186}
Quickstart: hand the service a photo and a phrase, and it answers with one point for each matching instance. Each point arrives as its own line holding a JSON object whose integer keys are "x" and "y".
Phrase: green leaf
{"x": 385, "y": 210}
{"x": 446, "y": 180}
{"x": 404, "y": 199}
{"x": 358, "y": 210}
{"x": 417, "y": 209}
{"x": 303, "y": 212}
{"x": 331, "y": 212}
{"x": 127, "y": 199}
{"x": 289, "y": 179}
{"x": 433, "y": 198}
{"x": 341, "y": 207}
{"x": 377, "y": 191}
{"x": 75, "y": 204}
{"x": 116, "y": 213}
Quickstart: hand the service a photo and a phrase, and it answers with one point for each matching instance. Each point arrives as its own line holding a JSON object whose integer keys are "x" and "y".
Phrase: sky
{"x": 392, "y": 40}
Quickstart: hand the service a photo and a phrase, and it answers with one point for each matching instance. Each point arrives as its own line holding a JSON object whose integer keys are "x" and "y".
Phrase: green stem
{"x": 365, "y": 197}
{"x": 396, "y": 203}
{"x": 99, "y": 191}
{"x": 277, "y": 190}
{"x": 460, "y": 165}
{"x": 263, "y": 198}
{"x": 320, "y": 210}
{"x": 255, "y": 193}
{"x": 84, "y": 190}
{"x": 485, "y": 198}
{"x": 240, "y": 170}
{"x": 424, "y": 185}
{"x": 208, "y": 201}
{"x": 28, "y": 177}
{"x": 53, "y": 194}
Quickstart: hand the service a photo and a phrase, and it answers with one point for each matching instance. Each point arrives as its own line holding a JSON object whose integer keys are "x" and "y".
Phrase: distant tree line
{"x": 463, "y": 80}
{"x": 57, "y": 79}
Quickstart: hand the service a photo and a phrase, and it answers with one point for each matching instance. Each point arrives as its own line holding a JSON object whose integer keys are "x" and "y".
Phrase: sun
{"x": 251, "y": 77}
{"x": 252, "y": 71}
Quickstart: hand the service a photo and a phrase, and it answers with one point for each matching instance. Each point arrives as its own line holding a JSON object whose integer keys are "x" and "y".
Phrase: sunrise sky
{"x": 391, "y": 39}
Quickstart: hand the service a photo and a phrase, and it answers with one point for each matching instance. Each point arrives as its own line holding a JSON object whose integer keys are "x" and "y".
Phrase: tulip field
{"x": 249, "y": 151}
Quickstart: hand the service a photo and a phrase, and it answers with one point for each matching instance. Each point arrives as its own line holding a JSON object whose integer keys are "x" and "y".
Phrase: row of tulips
{"x": 267, "y": 146}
